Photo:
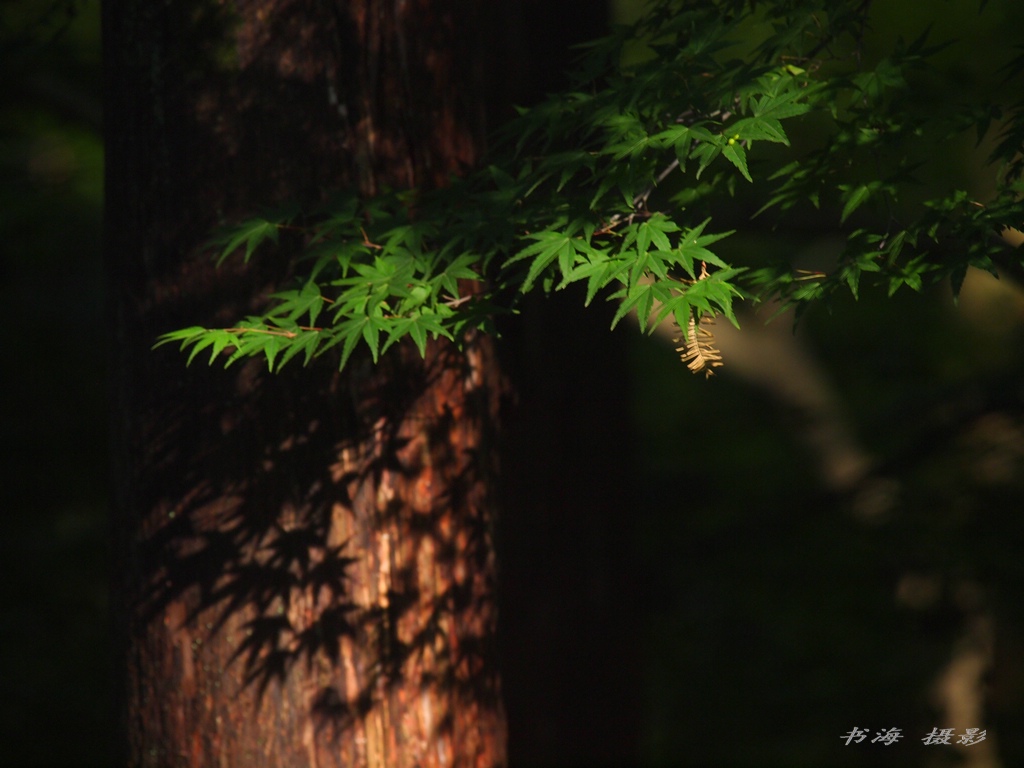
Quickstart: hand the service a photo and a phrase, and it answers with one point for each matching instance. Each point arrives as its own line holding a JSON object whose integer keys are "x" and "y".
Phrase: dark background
{"x": 684, "y": 581}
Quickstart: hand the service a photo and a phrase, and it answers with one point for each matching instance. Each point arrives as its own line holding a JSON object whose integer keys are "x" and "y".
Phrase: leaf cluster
{"x": 612, "y": 183}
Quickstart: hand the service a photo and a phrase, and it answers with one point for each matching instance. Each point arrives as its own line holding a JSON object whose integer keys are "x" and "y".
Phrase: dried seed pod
{"x": 698, "y": 349}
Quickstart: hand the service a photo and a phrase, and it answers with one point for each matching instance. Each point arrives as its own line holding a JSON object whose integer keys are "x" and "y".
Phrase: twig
{"x": 268, "y": 332}
{"x": 641, "y": 199}
{"x": 368, "y": 243}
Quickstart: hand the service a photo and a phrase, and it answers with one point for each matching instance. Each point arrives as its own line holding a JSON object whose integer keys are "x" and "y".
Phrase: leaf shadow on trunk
{"x": 372, "y": 575}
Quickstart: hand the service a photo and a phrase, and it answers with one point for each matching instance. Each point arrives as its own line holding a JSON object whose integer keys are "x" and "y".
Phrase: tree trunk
{"x": 305, "y": 567}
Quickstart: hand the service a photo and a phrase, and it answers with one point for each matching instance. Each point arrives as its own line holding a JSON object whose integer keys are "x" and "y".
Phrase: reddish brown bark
{"x": 306, "y": 571}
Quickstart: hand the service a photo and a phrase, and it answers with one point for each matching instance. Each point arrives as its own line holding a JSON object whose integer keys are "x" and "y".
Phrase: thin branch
{"x": 368, "y": 243}
{"x": 269, "y": 332}
{"x": 641, "y": 199}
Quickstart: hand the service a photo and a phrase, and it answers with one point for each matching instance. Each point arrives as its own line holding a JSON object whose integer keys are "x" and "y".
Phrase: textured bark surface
{"x": 306, "y": 571}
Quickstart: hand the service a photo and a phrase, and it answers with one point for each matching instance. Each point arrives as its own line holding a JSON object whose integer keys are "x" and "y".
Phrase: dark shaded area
{"x": 55, "y": 669}
{"x": 569, "y": 580}
{"x": 569, "y": 577}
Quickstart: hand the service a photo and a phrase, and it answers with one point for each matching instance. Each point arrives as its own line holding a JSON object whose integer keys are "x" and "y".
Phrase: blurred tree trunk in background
{"x": 305, "y": 561}
{"x": 572, "y": 656}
